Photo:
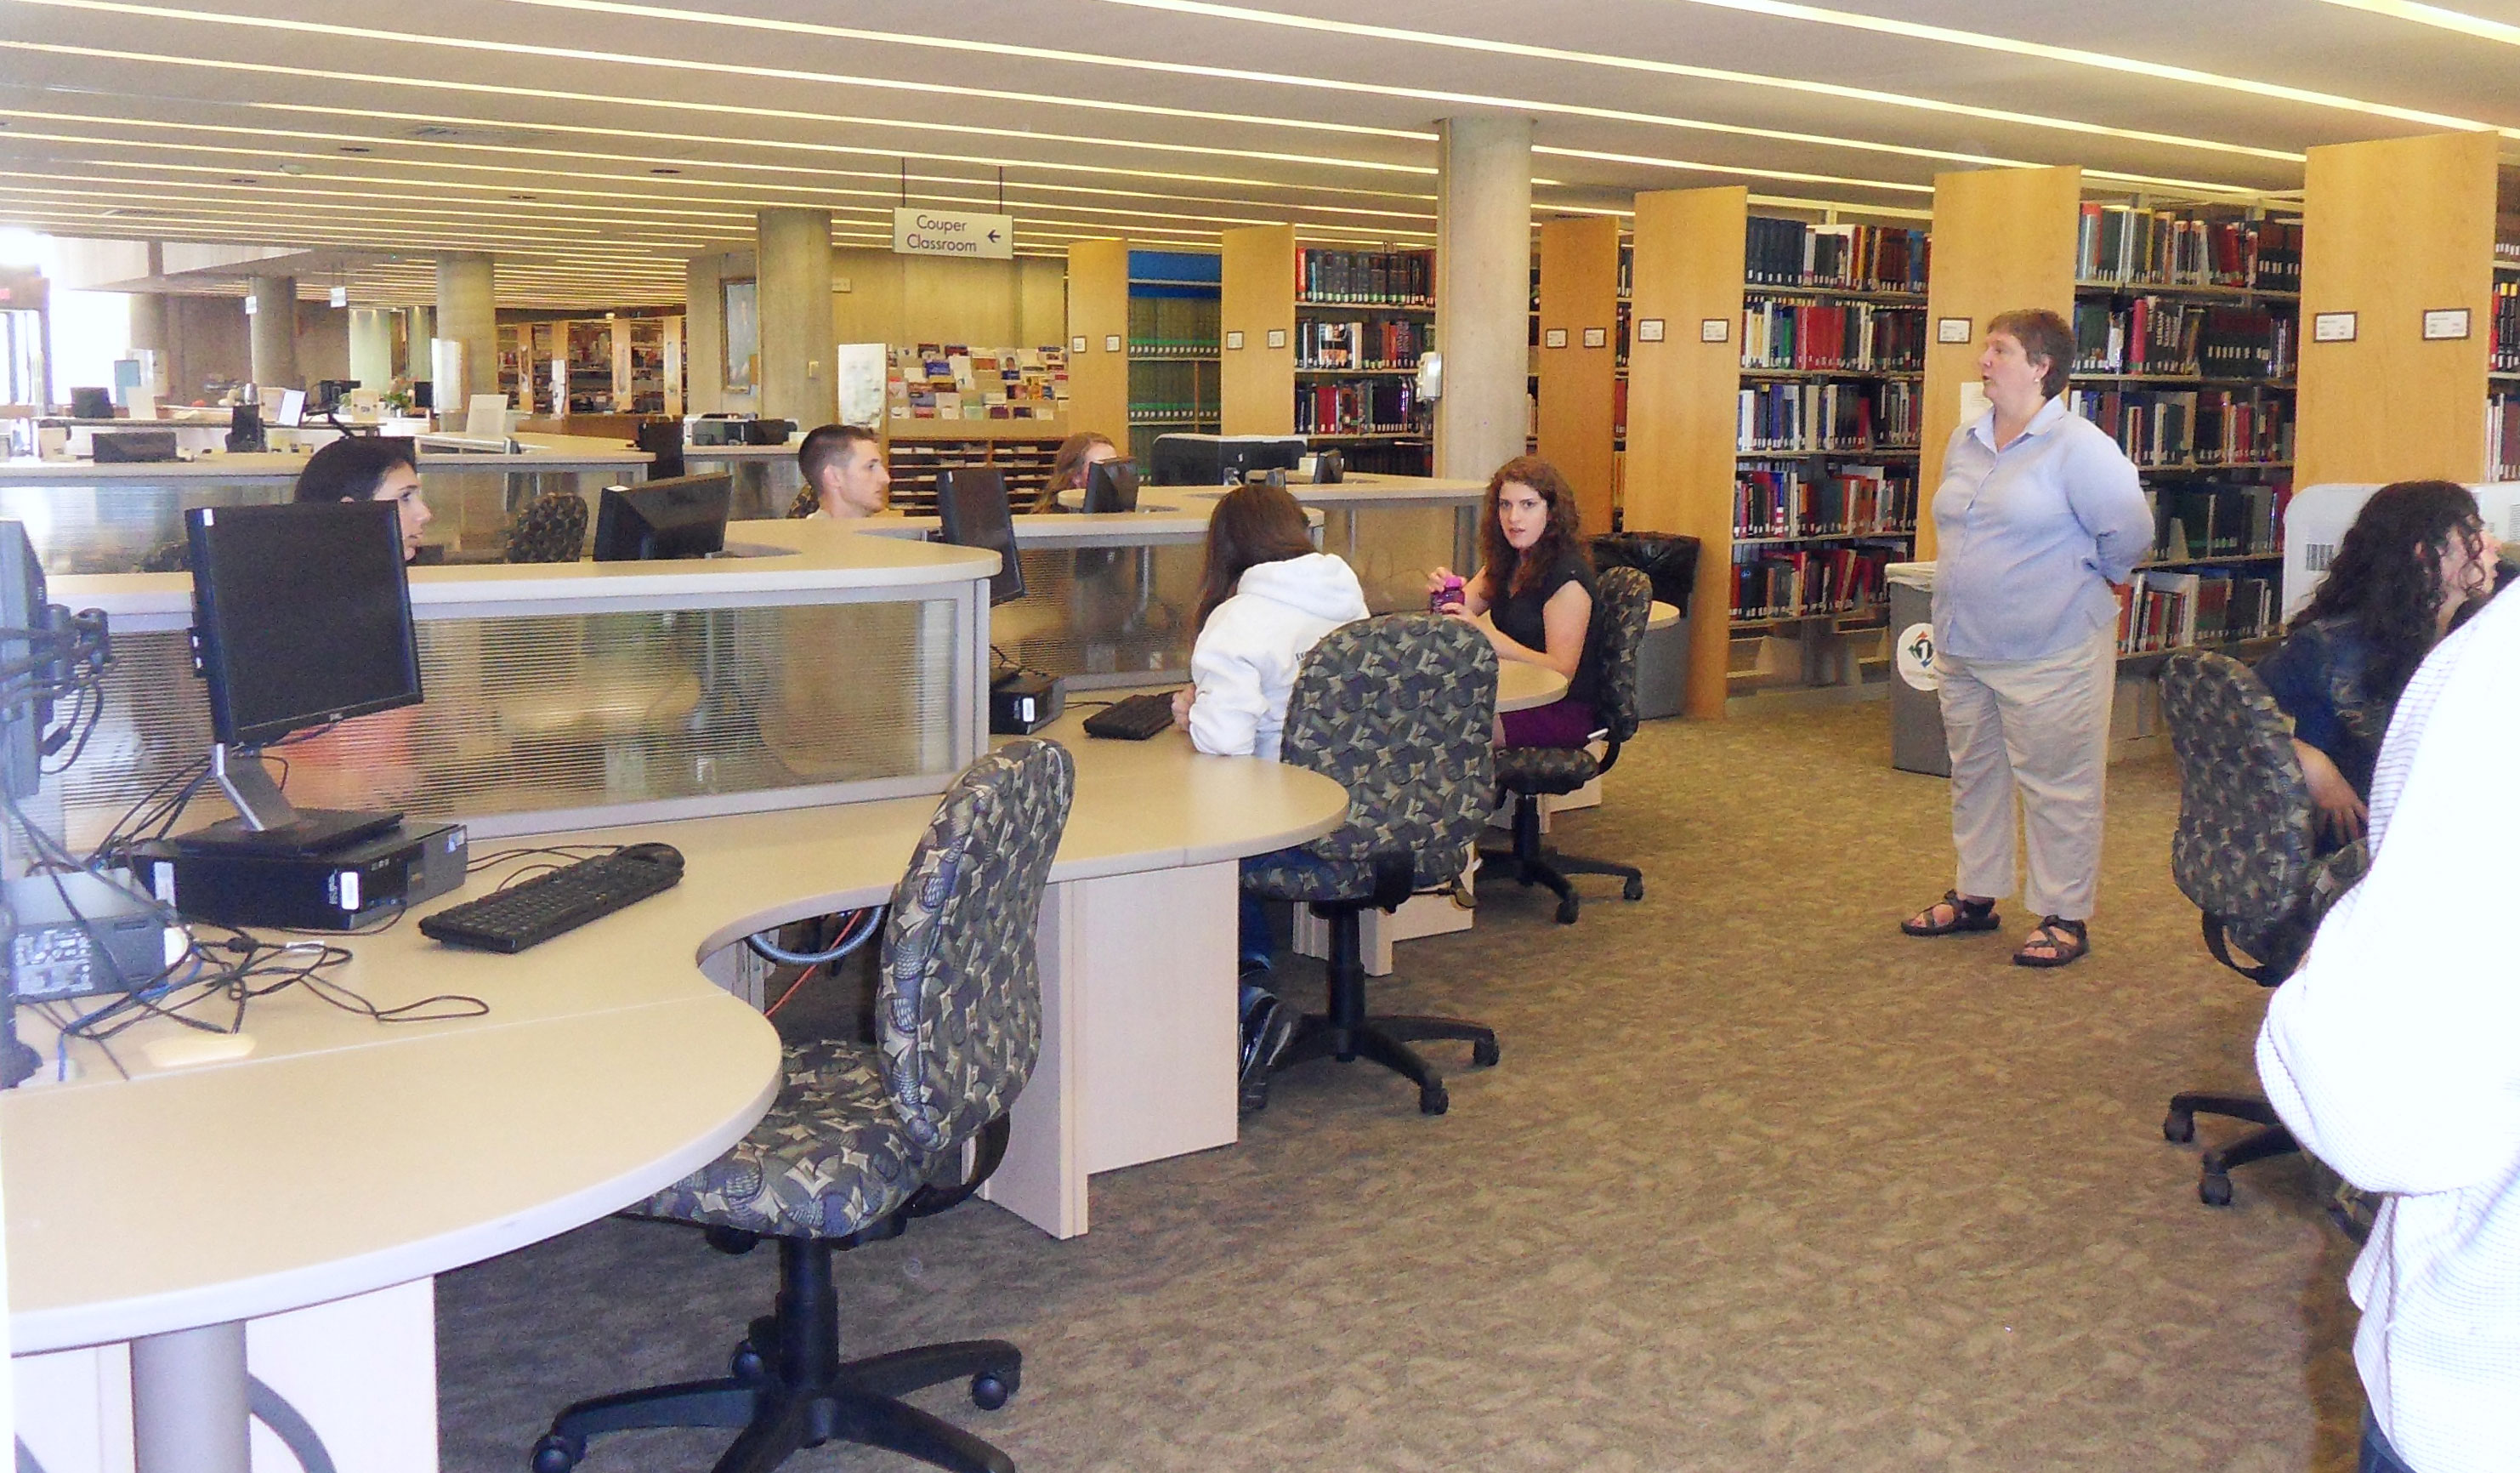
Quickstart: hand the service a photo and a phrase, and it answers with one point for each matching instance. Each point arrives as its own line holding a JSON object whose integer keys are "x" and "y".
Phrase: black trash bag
{"x": 1667, "y": 560}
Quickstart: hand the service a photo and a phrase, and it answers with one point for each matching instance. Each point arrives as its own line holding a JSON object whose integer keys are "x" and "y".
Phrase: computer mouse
{"x": 653, "y": 853}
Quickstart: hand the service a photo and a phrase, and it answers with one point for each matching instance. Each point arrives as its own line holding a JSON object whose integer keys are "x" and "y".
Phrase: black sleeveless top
{"x": 1519, "y": 617}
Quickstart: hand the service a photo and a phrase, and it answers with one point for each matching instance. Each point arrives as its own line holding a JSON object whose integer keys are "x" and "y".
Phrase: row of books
{"x": 2193, "y": 520}
{"x": 1161, "y": 391}
{"x": 1172, "y": 327}
{"x": 1392, "y": 343}
{"x": 1366, "y": 406}
{"x": 1787, "y": 500}
{"x": 2166, "y": 248}
{"x": 2155, "y": 334}
{"x": 1377, "y": 278}
{"x": 1858, "y": 337}
{"x": 2506, "y": 325}
{"x": 2502, "y": 437}
{"x": 1845, "y": 258}
{"x": 2212, "y": 426}
{"x": 1777, "y": 417}
{"x": 2169, "y": 610}
{"x": 1768, "y": 584}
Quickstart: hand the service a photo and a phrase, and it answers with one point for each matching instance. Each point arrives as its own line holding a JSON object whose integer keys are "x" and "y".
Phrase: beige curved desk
{"x": 345, "y": 1162}
{"x": 1522, "y": 685}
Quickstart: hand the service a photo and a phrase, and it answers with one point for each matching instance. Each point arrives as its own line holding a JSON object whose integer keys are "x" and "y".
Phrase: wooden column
{"x": 2390, "y": 231}
{"x": 1578, "y": 295}
{"x": 1683, "y": 393}
{"x": 2003, "y": 238}
{"x": 1098, "y": 314}
{"x": 1256, "y": 299}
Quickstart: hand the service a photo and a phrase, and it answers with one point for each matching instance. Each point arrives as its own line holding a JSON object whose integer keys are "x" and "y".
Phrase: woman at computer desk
{"x": 363, "y": 763}
{"x": 2417, "y": 555}
{"x": 1533, "y": 597}
{"x": 1077, "y": 457}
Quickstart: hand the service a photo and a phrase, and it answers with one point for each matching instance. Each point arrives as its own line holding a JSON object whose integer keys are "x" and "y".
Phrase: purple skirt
{"x": 1560, "y": 723}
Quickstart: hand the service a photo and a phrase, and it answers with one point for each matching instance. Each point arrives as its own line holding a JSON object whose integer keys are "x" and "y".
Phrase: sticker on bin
{"x": 1916, "y": 657}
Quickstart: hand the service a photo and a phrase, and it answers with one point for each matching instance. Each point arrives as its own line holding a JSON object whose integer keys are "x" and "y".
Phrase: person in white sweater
{"x": 1267, "y": 598}
{"x": 2393, "y": 1053}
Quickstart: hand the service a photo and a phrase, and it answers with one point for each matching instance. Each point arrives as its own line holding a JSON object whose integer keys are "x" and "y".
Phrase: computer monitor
{"x": 92, "y": 403}
{"x": 329, "y": 395}
{"x": 684, "y": 516}
{"x": 1223, "y": 459}
{"x": 663, "y": 439}
{"x": 973, "y": 503}
{"x": 244, "y": 428}
{"x": 25, "y": 711}
{"x": 423, "y": 393}
{"x": 112, "y": 448}
{"x": 1111, "y": 486}
{"x": 292, "y": 409}
{"x": 302, "y": 617}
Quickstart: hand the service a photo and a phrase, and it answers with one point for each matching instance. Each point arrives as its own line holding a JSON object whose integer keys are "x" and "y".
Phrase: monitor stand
{"x": 266, "y": 823}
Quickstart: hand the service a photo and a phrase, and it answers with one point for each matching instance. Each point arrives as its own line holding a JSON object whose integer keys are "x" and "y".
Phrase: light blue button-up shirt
{"x": 2030, "y": 537}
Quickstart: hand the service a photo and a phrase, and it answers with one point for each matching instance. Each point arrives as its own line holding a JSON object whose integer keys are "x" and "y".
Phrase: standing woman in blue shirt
{"x": 2038, "y": 513}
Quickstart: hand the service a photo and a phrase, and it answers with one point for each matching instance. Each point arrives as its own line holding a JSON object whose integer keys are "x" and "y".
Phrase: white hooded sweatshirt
{"x": 1244, "y": 664}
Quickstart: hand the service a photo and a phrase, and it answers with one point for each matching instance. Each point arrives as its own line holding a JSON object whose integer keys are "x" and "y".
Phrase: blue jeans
{"x": 2377, "y": 1455}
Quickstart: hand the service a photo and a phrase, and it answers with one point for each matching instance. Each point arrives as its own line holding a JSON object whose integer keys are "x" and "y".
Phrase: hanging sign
{"x": 944, "y": 232}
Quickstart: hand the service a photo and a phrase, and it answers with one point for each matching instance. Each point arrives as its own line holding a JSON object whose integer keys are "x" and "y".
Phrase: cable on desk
{"x": 861, "y": 925}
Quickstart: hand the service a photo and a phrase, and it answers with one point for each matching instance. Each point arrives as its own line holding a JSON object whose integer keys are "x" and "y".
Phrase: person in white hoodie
{"x": 1266, "y": 600}
{"x": 2392, "y": 1054}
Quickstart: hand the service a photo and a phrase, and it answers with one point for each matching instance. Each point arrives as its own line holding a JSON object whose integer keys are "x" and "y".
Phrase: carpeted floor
{"x": 1759, "y": 1184}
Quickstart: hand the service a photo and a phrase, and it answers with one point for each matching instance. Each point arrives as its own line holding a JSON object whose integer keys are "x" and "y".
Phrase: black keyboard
{"x": 1134, "y": 718}
{"x": 533, "y": 911}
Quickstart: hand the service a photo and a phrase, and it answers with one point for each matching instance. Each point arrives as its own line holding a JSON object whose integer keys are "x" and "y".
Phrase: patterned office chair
{"x": 1624, "y": 602}
{"x": 552, "y": 528}
{"x": 808, "y": 501}
{"x": 1399, "y": 711}
{"x": 2246, "y": 853}
{"x": 864, "y": 1137}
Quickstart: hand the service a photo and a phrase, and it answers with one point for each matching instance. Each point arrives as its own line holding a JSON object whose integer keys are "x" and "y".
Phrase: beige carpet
{"x": 1759, "y": 1184}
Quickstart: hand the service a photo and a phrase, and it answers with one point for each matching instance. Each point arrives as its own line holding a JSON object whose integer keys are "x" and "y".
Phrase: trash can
{"x": 1669, "y": 561}
{"x": 1917, "y": 741}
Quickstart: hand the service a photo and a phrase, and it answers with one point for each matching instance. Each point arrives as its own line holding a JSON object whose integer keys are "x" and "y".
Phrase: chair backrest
{"x": 1399, "y": 710}
{"x": 2246, "y": 847}
{"x": 958, "y": 1012}
{"x": 552, "y": 528}
{"x": 1624, "y": 603}
{"x": 808, "y": 501}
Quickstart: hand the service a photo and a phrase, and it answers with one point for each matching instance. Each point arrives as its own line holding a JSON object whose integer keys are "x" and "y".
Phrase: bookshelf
{"x": 1359, "y": 320}
{"x": 1575, "y": 370}
{"x": 1021, "y": 451}
{"x": 1173, "y": 347}
{"x": 1772, "y": 402}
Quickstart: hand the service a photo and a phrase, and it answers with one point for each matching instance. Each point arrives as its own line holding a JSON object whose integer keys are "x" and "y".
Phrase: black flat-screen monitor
{"x": 1184, "y": 459}
{"x": 329, "y": 395}
{"x": 683, "y": 517}
{"x": 663, "y": 439}
{"x": 973, "y": 504}
{"x": 303, "y": 616}
{"x": 112, "y": 447}
{"x": 1111, "y": 486}
{"x": 92, "y": 403}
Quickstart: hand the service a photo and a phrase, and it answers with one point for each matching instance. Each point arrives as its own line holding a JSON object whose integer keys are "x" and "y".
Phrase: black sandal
{"x": 2054, "y": 927}
{"x": 1966, "y": 916}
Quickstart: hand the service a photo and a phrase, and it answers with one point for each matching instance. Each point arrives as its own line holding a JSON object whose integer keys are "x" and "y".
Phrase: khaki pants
{"x": 2041, "y": 727}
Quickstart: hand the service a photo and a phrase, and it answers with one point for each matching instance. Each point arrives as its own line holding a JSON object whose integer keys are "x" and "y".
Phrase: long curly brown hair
{"x": 1509, "y": 572}
{"x": 2387, "y": 573}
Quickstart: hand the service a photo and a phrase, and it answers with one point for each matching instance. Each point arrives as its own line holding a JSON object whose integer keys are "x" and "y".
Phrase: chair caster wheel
{"x": 2214, "y": 1189}
{"x": 990, "y": 1389}
{"x": 1433, "y": 1100}
{"x": 2179, "y": 1127}
{"x": 1566, "y": 912}
{"x": 556, "y": 1453}
{"x": 1633, "y": 889}
{"x": 747, "y": 1364}
{"x": 1483, "y": 1052}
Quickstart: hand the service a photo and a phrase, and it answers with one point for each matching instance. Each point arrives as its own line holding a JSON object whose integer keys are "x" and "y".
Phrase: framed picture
{"x": 1277, "y": 337}
{"x": 1952, "y": 329}
{"x": 2446, "y": 324}
{"x": 1234, "y": 341}
{"x": 1110, "y": 342}
{"x": 1715, "y": 329}
{"x": 2333, "y": 327}
{"x": 1597, "y": 336}
{"x": 1555, "y": 337}
{"x": 1648, "y": 329}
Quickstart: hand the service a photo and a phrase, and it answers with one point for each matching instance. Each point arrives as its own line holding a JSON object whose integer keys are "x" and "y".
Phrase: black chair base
{"x": 2214, "y": 1179}
{"x": 1530, "y": 862}
{"x": 789, "y": 1390}
{"x": 1346, "y": 1032}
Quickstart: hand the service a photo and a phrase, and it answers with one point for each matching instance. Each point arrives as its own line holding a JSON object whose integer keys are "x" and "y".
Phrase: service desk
{"x": 86, "y": 518}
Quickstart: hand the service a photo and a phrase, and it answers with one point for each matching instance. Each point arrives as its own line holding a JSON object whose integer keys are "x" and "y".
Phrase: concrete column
{"x": 419, "y": 324}
{"x": 704, "y": 334}
{"x": 468, "y": 312}
{"x": 149, "y": 334}
{"x": 273, "y": 331}
{"x": 796, "y": 277}
{"x": 372, "y": 346}
{"x": 1482, "y": 292}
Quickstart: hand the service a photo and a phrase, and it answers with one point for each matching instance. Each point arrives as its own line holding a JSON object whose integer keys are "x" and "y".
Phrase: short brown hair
{"x": 827, "y": 443}
{"x": 2041, "y": 334}
{"x": 1509, "y": 572}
